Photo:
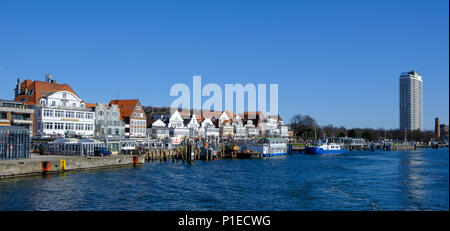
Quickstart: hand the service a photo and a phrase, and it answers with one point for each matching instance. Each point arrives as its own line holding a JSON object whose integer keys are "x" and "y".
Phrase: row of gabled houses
{"x": 50, "y": 109}
{"x": 217, "y": 124}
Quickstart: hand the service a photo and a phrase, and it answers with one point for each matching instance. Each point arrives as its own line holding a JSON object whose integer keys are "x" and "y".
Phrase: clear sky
{"x": 338, "y": 61}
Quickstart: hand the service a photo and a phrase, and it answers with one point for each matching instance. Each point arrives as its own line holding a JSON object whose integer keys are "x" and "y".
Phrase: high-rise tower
{"x": 411, "y": 107}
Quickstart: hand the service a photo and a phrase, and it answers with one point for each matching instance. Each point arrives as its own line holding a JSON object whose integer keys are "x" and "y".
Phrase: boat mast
{"x": 315, "y": 133}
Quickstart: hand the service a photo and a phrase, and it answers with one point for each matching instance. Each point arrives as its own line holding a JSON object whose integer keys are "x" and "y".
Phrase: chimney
{"x": 17, "y": 90}
{"x": 437, "y": 128}
{"x": 52, "y": 81}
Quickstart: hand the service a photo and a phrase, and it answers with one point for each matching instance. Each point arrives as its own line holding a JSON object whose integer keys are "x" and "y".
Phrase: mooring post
{"x": 165, "y": 155}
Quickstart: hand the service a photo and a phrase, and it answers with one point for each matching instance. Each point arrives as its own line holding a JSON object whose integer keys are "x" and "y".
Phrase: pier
{"x": 42, "y": 165}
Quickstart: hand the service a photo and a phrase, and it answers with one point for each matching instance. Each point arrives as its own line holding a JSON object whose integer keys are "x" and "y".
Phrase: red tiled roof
{"x": 230, "y": 114}
{"x": 252, "y": 115}
{"x": 126, "y": 106}
{"x": 90, "y": 105}
{"x": 199, "y": 118}
{"x": 39, "y": 89}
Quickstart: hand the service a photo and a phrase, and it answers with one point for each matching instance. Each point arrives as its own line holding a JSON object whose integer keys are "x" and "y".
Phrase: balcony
{"x": 22, "y": 121}
{"x": 17, "y": 110}
{"x": 4, "y": 121}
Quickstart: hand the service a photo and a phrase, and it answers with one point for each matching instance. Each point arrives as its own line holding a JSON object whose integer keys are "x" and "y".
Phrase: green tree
{"x": 352, "y": 133}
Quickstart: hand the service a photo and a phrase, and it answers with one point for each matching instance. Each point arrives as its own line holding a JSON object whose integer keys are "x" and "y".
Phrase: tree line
{"x": 306, "y": 128}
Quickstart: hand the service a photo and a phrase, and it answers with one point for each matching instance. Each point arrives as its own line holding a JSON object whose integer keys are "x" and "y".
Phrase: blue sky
{"x": 338, "y": 61}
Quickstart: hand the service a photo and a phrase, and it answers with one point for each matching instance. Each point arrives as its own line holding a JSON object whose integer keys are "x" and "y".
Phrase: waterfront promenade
{"x": 38, "y": 165}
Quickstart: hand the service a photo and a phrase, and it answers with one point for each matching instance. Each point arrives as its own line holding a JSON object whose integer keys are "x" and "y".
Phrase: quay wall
{"x": 53, "y": 164}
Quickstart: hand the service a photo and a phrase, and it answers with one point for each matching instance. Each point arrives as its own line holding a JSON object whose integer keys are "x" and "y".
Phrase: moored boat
{"x": 266, "y": 147}
{"x": 327, "y": 148}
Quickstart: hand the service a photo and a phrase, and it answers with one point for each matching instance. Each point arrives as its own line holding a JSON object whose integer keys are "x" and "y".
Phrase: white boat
{"x": 324, "y": 149}
{"x": 267, "y": 147}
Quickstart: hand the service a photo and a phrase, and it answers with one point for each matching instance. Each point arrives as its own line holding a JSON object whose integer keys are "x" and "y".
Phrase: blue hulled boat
{"x": 325, "y": 149}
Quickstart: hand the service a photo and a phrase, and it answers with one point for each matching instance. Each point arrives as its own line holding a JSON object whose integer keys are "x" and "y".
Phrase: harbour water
{"x": 396, "y": 180}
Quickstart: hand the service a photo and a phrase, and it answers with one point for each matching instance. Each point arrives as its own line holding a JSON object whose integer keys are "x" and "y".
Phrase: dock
{"x": 42, "y": 164}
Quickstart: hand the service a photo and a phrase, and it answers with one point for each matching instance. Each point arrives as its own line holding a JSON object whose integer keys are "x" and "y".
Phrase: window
{"x": 48, "y": 113}
{"x": 69, "y": 126}
{"x": 79, "y": 127}
{"x": 53, "y": 103}
{"x": 59, "y": 114}
{"x": 89, "y": 127}
{"x": 80, "y": 115}
{"x": 138, "y": 108}
{"x": 70, "y": 114}
{"x": 48, "y": 125}
{"x": 59, "y": 126}
{"x": 89, "y": 115}
{"x": 100, "y": 113}
{"x": 64, "y": 95}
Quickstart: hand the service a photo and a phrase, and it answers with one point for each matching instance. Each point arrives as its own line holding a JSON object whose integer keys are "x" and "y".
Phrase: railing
{"x": 21, "y": 121}
{"x": 16, "y": 109}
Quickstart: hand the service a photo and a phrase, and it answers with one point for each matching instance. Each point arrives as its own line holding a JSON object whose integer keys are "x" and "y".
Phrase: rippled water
{"x": 408, "y": 180}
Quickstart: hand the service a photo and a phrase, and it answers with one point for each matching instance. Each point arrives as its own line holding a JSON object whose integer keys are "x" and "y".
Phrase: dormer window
{"x": 42, "y": 101}
{"x": 64, "y": 95}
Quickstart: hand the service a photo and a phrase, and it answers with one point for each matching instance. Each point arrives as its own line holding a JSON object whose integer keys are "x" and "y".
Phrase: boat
{"x": 326, "y": 148}
{"x": 248, "y": 154}
{"x": 265, "y": 147}
{"x": 213, "y": 154}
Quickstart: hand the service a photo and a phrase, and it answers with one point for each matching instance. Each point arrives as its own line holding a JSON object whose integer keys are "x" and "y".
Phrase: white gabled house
{"x": 176, "y": 126}
{"x": 193, "y": 126}
{"x": 176, "y": 121}
{"x": 251, "y": 130}
{"x": 158, "y": 130}
{"x": 239, "y": 129}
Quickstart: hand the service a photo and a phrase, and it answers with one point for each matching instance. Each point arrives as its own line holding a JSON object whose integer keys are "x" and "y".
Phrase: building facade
{"x": 158, "y": 130}
{"x": 107, "y": 121}
{"x": 58, "y": 110}
{"x": 411, "y": 106}
{"x": 133, "y": 116}
{"x": 14, "y": 113}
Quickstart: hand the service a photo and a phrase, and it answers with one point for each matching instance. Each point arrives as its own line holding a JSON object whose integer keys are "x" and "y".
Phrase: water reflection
{"x": 412, "y": 172}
